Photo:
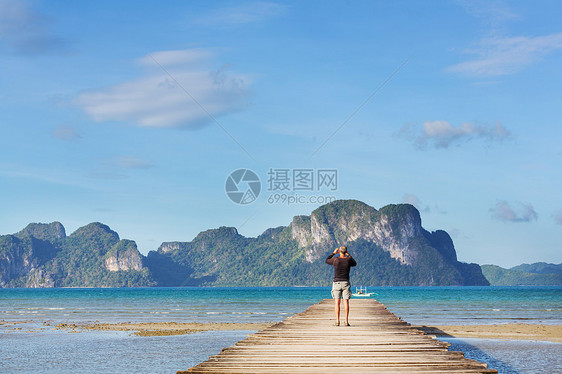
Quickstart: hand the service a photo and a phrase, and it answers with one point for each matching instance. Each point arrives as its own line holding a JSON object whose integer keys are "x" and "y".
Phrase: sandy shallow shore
{"x": 162, "y": 328}
{"x": 511, "y": 331}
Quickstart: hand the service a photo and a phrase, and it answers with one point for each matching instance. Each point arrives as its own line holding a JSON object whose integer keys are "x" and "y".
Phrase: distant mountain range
{"x": 389, "y": 244}
{"x": 537, "y": 274}
{"x": 41, "y": 255}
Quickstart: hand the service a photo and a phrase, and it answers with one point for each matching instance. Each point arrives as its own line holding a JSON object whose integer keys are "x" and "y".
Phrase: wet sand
{"x": 511, "y": 331}
{"x": 161, "y": 328}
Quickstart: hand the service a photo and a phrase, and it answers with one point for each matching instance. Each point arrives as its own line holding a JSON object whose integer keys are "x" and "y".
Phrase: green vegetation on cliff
{"x": 540, "y": 268}
{"x": 60, "y": 261}
{"x": 390, "y": 246}
{"x": 224, "y": 257}
{"x": 539, "y": 274}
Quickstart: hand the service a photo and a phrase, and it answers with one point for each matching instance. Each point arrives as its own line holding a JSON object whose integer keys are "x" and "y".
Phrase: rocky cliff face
{"x": 443, "y": 243}
{"x": 16, "y": 258}
{"x": 39, "y": 278}
{"x": 389, "y": 244}
{"x": 429, "y": 257}
{"x": 41, "y": 255}
{"x": 25, "y": 252}
{"x": 123, "y": 257}
{"x": 346, "y": 221}
{"x": 169, "y": 247}
{"x": 301, "y": 231}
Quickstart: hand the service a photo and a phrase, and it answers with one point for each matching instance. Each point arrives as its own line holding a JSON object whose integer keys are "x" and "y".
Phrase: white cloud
{"x": 441, "y": 134}
{"x": 506, "y": 55}
{"x": 26, "y": 32}
{"x": 409, "y": 198}
{"x": 156, "y": 99}
{"x": 504, "y": 212}
{"x": 242, "y": 14}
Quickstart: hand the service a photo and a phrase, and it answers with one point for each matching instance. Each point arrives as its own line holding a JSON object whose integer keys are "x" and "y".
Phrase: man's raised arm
{"x": 352, "y": 261}
{"x": 330, "y": 260}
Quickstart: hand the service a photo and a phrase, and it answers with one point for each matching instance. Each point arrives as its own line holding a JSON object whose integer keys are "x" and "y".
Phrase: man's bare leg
{"x": 346, "y": 306}
{"x": 337, "y": 309}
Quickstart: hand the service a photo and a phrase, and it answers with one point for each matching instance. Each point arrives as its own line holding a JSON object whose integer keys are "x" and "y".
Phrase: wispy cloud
{"x": 493, "y": 13}
{"x": 439, "y": 210}
{"x": 180, "y": 58}
{"x": 27, "y": 32}
{"x": 107, "y": 175}
{"x": 155, "y": 100}
{"x": 56, "y": 175}
{"x": 116, "y": 167}
{"x": 66, "y": 133}
{"x": 441, "y": 134}
{"x": 499, "y": 53}
{"x": 409, "y": 198}
{"x": 558, "y": 217}
{"x": 129, "y": 162}
{"x": 506, "y": 55}
{"x": 241, "y": 14}
{"x": 415, "y": 201}
{"x": 504, "y": 212}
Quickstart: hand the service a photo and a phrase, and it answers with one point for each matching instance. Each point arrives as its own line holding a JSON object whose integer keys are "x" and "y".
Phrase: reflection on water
{"x": 110, "y": 352}
{"x": 511, "y": 356}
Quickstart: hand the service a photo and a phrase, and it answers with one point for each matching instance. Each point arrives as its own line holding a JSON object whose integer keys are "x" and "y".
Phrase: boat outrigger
{"x": 362, "y": 292}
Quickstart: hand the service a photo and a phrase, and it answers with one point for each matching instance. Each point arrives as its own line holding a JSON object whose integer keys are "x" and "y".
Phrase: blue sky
{"x": 135, "y": 113}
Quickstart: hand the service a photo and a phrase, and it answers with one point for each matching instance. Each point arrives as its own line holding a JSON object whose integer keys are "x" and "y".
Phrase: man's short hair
{"x": 343, "y": 249}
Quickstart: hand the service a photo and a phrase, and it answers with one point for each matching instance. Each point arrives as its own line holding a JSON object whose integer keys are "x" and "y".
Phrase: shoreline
{"x": 163, "y": 328}
{"x": 510, "y": 331}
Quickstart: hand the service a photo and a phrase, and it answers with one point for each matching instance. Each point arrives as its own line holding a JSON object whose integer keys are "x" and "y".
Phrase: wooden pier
{"x": 376, "y": 342}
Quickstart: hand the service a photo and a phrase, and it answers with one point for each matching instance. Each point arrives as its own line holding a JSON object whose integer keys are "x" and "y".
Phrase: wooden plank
{"x": 376, "y": 342}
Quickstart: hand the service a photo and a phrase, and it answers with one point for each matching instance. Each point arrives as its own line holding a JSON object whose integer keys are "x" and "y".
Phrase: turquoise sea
{"x": 32, "y": 347}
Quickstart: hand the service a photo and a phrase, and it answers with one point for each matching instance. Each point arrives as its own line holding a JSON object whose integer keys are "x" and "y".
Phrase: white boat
{"x": 362, "y": 292}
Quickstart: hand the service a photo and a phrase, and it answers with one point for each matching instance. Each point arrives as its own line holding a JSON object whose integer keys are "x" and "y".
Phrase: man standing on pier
{"x": 341, "y": 288}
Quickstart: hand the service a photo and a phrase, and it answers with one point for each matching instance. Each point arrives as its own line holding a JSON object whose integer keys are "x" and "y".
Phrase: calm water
{"x": 40, "y": 349}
